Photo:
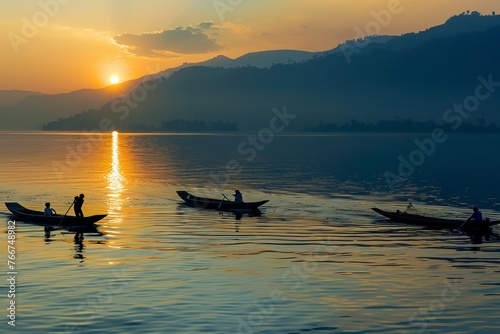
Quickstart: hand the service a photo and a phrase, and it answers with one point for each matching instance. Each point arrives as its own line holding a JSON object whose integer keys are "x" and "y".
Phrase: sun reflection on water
{"x": 116, "y": 181}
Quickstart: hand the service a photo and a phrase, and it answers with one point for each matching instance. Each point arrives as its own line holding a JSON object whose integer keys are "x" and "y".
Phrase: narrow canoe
{"x": 27, "y": 215}
{"x": 408, "y": 218}
{"x": 219, "y": 204}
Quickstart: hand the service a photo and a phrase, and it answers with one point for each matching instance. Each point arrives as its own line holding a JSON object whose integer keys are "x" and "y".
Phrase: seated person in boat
{"x": 477, "y": 216}
{"x": 48, "y": 211}
{"x": 238, "y": 197}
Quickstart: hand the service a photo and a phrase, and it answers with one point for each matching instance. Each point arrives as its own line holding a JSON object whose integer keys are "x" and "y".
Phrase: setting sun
{"x": 114, "y": 79}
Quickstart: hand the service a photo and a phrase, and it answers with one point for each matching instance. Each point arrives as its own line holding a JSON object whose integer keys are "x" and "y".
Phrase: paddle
{"x": 471, "y": 218}
{"x": 65, "y": 214}
{"x": 458, "y": 229}
{"x": 220, "y": 204}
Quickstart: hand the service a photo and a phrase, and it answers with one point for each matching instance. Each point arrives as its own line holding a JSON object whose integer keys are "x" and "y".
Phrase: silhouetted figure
{"x": 48, "y": 211}
{"x": 79, "y": 246}
{"x": 477, "y": 216}
{"x": 78, "y": 205}
{"x": 78, "y": 237}
{"x": 238, "y": 197}
{"x": 47, "y": 230}
{"x": 476, "y": 235}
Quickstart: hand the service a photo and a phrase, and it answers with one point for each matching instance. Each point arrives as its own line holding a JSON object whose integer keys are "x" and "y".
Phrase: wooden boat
{"x": 219, "y": 204}
{"x": 27, "y": 215}
{"x": 404, "y": 217}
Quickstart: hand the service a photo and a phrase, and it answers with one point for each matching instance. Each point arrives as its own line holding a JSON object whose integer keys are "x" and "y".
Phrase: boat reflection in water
{"x": 77, "y": 233}
{"x": 478, "y": 235}
{"x": 238, "y": 215}
{"x": 79, "y": 238}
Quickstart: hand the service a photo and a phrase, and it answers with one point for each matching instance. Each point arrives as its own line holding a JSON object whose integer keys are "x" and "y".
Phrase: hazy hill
{"x": 420, "y": 82}
{"x": 462, "y": 23}
{"x": 261, "y": 59}
{"x": 10, "y": 97}
{"x": 265, "y": 59}
{"x": 31, "y": 111}
{"x": 456, "y": 25}
{"x": 28, "y": 110}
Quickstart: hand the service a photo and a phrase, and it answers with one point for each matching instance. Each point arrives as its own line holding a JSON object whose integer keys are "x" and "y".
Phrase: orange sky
{"x": 55, "y": 46}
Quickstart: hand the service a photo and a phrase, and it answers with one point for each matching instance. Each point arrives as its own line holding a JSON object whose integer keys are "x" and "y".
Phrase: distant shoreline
{"x": 245, "y": 132}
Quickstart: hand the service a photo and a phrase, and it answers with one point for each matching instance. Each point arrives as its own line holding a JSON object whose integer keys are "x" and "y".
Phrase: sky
{"x": 58, "y": 46}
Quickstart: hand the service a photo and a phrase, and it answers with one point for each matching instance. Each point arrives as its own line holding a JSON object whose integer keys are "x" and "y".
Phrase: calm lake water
{"x": 317, "y": 260}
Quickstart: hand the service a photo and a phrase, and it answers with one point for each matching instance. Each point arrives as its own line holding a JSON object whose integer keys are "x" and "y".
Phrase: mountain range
{"x": 24, "y": 110}
{"x": 418, "y": 76}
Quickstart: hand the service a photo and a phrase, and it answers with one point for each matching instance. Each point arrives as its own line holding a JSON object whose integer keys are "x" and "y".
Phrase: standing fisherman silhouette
{"x": 238, "y": 197}
{"x": 78, "y": 202}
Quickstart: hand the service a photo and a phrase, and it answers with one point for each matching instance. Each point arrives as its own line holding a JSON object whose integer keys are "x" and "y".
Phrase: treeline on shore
{"x": 182, "y": 125}
{"x": 395, "y": 125}
{"x": 176, "y": 125}
{"x": 405, "y": 125}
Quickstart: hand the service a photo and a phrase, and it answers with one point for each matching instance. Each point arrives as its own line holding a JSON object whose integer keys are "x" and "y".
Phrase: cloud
{"x": 227, "y": 26}
{"x": 172, "y": 41}
{"x": 208, "y": 25}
